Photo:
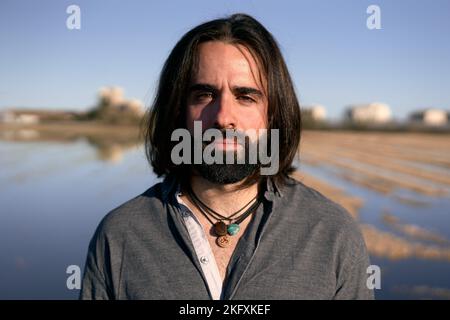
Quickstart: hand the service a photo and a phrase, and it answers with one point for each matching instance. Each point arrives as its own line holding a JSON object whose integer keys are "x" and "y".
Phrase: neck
{"x": 225, "y": 199}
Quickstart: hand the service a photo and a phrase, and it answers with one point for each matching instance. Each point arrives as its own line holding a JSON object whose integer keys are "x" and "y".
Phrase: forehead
{"x": 219, "y": 61}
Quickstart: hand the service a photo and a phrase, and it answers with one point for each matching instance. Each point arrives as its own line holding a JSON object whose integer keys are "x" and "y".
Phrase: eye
{"x": 246, "y": 99}
{"x": 202, "y": 96}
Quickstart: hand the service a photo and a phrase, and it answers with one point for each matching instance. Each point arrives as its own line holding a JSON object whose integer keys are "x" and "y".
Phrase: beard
{"x": 226, "y": 173}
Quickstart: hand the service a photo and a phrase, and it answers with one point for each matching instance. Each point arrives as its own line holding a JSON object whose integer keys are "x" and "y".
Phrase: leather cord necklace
{"x": 222, "y": 229}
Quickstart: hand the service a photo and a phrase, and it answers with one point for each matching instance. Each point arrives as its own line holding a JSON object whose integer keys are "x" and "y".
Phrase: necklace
{"x": 223, "y": 230}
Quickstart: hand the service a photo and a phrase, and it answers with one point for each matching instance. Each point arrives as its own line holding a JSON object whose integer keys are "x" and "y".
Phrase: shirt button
{"x": 204, "y": 260}
{"x": 185, "y": 214}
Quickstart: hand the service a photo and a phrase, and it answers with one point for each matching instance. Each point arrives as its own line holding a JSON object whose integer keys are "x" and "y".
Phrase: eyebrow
{"x": 236, "y": 89}
{"x": 247, "y": 90}
{"x": 202, "y": 87}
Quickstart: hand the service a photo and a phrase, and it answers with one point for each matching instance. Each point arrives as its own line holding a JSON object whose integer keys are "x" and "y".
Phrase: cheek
{"x": 193, "y": 114}
{"x": 265, "y": 116}
{"x": 190, "y": 119}
{"x": 256, "y": 119}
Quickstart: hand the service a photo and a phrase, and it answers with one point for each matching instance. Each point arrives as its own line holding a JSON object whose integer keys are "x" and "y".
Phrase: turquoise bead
{"x": 233, "y": 229}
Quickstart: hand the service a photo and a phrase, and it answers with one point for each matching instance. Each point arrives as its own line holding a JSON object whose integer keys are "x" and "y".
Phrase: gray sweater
{"x": 298, "y": 245}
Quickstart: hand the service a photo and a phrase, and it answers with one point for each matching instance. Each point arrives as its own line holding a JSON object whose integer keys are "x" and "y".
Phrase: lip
{"x": 225, "y": 141}
{"x": 226, "y": 144}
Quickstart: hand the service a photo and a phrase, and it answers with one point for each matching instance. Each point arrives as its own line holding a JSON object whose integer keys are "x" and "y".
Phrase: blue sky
{"x": 334, "y": 59}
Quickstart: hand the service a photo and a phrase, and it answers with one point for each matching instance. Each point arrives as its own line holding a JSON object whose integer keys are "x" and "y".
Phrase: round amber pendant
{"x": 224, "y": 241}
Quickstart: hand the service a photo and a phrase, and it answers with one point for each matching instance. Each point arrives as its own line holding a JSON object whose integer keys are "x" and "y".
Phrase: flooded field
{"x": 57, "y": 183}
{"x": 397, "y": 186}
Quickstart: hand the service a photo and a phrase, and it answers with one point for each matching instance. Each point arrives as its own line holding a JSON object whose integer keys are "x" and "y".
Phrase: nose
{"x": 225, "y": 112}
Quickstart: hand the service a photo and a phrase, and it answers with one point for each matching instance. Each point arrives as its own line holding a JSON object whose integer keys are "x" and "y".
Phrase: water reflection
{"x": 109, "y": 142}
{"x": 413, "y": 231}
{"x": 423, "y": 291}
{"x": 387, "y": 245}
{"x": 111, "y": 150}
{"x": 54, "y": 190}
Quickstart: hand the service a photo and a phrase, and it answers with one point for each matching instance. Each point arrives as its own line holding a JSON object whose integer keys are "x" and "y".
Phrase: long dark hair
{"x": 168, "y": 111}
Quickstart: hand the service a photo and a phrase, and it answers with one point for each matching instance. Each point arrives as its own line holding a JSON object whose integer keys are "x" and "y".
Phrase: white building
{"x": 7, "y": 117}
{"x": 375, "y": 113}
{"x": 315, "y": 112}
{"x": 114, "y": 97}
{"x": 19, "y": 117}
{"x": 133, "y": 105}
{"x": 27, "y": 118}
{"x": 430, "y": 117}
{"x": 111, "y": 95}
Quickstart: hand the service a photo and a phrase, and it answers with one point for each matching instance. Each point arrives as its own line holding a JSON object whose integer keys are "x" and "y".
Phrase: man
{"x": 225, "y": 230}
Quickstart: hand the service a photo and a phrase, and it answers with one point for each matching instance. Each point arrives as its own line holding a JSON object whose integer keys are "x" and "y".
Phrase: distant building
{"x": 133, "y": 105}
{"x": 27, "y": 118}
{"x": 22, "y": 117}
{"x": 112, "y": 101}
{"x": 6, "y": 117}
{"x": 315, "y": 112}
{"x": 373, "y": 113}
{"x": 430, "y": 117}
{"x": 112, "y": 96}
{"x": 31, "y": 116}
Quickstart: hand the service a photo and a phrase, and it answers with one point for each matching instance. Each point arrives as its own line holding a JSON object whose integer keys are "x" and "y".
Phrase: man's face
{"x": 226, "y": 93}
